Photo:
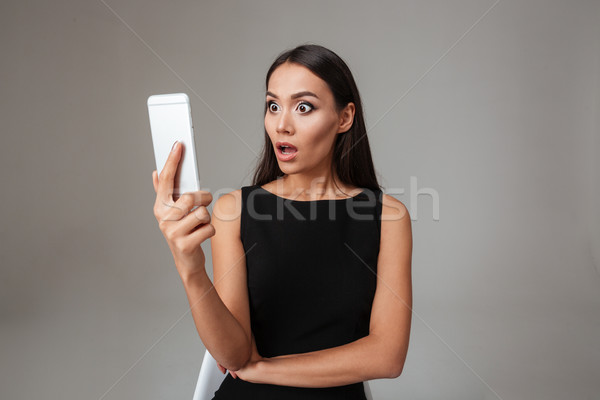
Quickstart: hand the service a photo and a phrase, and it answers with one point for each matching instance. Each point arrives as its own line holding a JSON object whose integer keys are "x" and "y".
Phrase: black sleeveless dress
{"x": 311, "y": 269}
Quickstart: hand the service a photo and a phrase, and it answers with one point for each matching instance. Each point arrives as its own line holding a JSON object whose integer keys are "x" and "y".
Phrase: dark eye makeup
{"x": 270, "y": 103}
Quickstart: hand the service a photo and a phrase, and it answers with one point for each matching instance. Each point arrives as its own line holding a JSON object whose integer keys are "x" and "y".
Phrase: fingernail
{"x": 174, "y": 145}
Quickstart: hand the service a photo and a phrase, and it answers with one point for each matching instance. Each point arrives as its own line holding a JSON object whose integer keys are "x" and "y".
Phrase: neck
{"x": 310, "y": 185}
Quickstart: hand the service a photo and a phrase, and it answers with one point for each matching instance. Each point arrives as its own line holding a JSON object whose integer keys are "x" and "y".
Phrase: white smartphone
{"x": 171, "y": 120}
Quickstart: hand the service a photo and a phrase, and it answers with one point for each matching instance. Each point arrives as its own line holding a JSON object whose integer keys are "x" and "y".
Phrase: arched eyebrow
{"x": 295, "y": 95}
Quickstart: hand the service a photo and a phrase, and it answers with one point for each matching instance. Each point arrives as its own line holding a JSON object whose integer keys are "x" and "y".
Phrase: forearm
{"x": 219, "y": 330}
{"x": 358, "y": 361}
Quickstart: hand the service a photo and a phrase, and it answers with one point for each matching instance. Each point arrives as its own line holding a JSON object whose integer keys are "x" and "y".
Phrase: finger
{"x": 194, "y": 239}
{"x": 167, "y": 174}
{"x": 223, "y": 370}
{"x": 155, "y": 181}
{"x": 193, "y": 220}
{"x": 182, "y": 207}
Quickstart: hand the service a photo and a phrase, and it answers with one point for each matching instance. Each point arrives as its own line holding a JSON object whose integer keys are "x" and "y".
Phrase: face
{"x": 301, "y": 111}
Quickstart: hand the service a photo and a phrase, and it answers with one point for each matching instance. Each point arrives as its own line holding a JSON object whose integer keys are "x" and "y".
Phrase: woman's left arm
{"x": 379, "y": 355}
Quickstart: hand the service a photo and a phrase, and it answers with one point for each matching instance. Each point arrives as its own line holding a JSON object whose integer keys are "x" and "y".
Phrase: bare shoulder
{"x": 396, "y": 224}
{"x": 228, "y": 207}
{"x": 393, "y": 209}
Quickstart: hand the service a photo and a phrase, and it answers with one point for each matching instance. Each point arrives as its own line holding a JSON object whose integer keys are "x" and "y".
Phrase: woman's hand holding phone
{"x": 184, "y": 229}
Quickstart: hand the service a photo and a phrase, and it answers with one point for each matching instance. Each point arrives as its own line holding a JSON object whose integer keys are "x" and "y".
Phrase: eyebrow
{"x": 295, "y": 95}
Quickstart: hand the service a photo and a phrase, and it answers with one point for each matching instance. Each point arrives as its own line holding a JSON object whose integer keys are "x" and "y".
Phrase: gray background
{"x": 491, "y": 107}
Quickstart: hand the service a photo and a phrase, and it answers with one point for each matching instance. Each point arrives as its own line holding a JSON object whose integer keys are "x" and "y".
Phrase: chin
{"x": 287, "y": 170}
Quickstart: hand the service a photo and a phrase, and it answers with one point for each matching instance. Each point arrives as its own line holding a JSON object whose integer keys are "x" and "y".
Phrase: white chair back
{"x": 209, "y": 380}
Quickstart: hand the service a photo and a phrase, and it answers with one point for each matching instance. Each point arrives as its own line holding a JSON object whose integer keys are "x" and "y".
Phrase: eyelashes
{"x": 304, "y": 107}
{"x": 271, "y": 106}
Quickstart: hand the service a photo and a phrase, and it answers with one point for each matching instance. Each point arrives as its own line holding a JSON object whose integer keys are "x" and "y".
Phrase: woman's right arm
{"x": 220, "y": 312}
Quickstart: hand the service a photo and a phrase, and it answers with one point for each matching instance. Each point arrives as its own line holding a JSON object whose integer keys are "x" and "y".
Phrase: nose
{"x": 285, "y": 123}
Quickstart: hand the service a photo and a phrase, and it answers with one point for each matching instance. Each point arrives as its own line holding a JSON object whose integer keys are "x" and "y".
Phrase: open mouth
{"x": 286, "y": 149}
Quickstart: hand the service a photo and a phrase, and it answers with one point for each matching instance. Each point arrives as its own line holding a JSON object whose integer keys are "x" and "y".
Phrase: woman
{"x": 312, "y": 262}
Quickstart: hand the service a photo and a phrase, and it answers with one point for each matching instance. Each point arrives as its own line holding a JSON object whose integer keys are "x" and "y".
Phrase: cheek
{"x": 269, "y": 126}
{"x": 319, "y": 136}
{"x": 322, "y": 130}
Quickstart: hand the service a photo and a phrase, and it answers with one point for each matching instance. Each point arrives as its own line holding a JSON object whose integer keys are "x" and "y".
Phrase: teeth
{"x": 283, "y": 150}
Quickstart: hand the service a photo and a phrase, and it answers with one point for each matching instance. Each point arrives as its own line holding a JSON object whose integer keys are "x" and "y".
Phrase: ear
{"x": 346, "y": 118}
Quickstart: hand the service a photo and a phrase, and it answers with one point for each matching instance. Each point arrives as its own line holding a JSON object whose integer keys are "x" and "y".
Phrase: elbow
{"x": 395, "y": 370}
{"x": 394, "y": 366}
{"x": 236, "y": 364}
{"x": 396, "y": 360}
{"x": 241, "y": 361}
{"x": 389, "y": 370}
{"x": 235, "y": 359}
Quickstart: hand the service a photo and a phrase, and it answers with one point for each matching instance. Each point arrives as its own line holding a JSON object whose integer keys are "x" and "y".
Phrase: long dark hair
{"x": 352, "y": 155}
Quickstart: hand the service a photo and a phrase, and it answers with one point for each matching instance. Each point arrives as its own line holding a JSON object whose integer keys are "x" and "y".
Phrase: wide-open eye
{"x": 272, "y": 106}
{"x": 305, "y": 107}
